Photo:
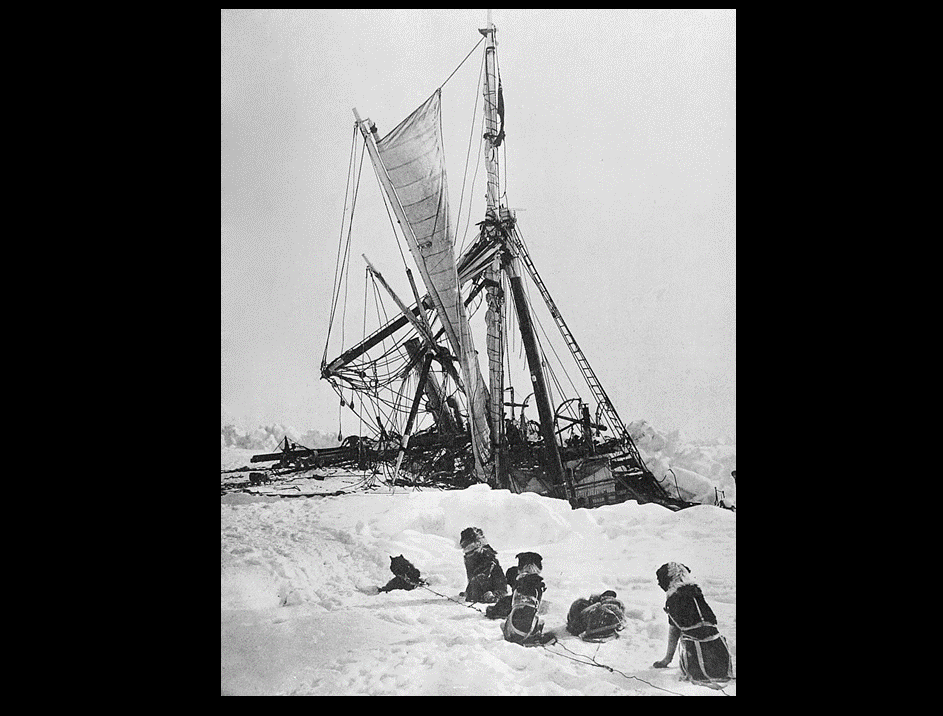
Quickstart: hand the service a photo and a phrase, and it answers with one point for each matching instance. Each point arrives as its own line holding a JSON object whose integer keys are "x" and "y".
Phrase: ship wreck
{"x": 425, "y": 412}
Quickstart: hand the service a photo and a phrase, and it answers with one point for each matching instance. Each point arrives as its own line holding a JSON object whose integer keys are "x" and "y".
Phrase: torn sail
{"x": 415, "y": 164}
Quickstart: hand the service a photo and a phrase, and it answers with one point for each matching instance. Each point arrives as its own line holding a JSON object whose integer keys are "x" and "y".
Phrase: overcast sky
{"x": 621, "y": 158}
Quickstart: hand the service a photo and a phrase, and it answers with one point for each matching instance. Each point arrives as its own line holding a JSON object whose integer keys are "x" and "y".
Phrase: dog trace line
{"x": 592, "y": 659}
{"x": 444, "y": 596}
{"x": 592, "y": 662}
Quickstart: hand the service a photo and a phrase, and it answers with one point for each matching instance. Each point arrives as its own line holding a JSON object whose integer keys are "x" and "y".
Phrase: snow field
{"x": 300, "y": 613}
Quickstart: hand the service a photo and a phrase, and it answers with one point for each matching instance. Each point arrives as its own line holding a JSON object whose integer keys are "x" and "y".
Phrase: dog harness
{"x": 696, "y": 643}
{"x": 588, "y": 634}
{"x": 518, "y": 601}
{"x": 698, "y": 625}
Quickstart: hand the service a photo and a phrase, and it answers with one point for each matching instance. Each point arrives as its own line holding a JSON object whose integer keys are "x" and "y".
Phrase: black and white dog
{"x": 705, "y": 658}
{"x": 521, "y": 625}
{"x": 527, "y": 563}
{"x": 486, "y": 580}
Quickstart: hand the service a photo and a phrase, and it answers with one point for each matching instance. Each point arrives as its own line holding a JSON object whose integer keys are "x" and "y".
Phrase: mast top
{"x": 489, "y": 30}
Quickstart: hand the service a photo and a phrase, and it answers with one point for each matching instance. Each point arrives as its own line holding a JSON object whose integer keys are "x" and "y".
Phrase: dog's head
{"x": 402, "y": 567}
{"x": 511, "y": 576}
{"x": 667, "y": 573}
{"x": 470, "y": 535}
{"x": 531, "y": 560}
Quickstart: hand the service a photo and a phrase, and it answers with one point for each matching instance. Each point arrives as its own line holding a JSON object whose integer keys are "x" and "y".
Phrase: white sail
{"x": 414, "y": 161}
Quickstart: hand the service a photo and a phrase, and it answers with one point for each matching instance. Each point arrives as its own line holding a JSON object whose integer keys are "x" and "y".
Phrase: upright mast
{"x": 501, "y": 221}
{"x": 490, "y": 92}
{"x": 494, "y": 297}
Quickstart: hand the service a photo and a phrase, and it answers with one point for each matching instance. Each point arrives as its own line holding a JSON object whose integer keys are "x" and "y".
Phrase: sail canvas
{"x": 413, "y": 159}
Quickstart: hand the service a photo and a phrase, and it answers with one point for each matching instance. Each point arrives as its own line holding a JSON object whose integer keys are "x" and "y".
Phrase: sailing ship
{"x": 425, "y": 410}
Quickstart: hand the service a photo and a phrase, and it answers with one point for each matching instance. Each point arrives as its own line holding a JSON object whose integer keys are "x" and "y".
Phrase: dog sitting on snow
{"x": 599, "y": 618}
{"x": 519, "y": 609}
{"x": 705, "y": 658}
{"x": 522, "y": 625}
{"x": 502, "y": 607}
{"x": 406, "y": 575}
{"x": 486, "y": 579}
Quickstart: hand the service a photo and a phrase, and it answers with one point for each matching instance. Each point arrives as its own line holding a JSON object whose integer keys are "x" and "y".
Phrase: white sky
{"x": 621, "y": 150}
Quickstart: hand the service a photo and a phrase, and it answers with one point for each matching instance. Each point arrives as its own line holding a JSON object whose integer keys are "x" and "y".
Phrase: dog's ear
{"x": 687, "y": 568}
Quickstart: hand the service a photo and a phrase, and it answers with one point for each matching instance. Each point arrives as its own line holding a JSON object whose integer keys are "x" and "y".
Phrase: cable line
{"x": 461, "y": 63}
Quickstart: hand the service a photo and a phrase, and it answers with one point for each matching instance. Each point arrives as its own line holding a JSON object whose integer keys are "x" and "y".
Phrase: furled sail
{"x": 413, "y": 158}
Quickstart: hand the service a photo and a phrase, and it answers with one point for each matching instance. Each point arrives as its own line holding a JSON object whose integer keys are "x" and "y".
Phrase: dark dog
{"x": 257, "y": 478}
{"x": 407, "y": 576}
{"x": 522, "y": 625}
{"x": 486, "y": 580}
{"x": 705, "y": 658}
{"x": 599, "y": 618}
{"x": 527, "y": 563}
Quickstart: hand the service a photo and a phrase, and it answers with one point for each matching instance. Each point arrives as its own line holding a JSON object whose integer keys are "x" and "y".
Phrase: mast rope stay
{"x": 346, "y": 260}
{"x": 481, "y": 140}
{"x": 340, "y": 239}
{"x": 460, "y": 64}
{"x": 471, "y": 133}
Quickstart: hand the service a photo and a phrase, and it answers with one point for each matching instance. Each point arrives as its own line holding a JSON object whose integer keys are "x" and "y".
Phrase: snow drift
{"x": 300, "y": 613}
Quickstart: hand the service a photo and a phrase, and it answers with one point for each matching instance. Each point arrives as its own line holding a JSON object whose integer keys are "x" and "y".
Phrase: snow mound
{"x": 695, "y": 472}
{"x": 300, "y": 613}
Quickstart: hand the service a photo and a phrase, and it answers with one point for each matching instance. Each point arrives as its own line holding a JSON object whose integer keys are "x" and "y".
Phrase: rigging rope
{"x": 345, "y": 264}
{"x": 537, "y": 318}
{"x": 554, "y": 351}
{"x": 460, "y": 64}
{"x": 543, "y": 355}
{"x": 471, "y": 190}
{"x": 340, "y": 239}
{"x": 471, "y": 133}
